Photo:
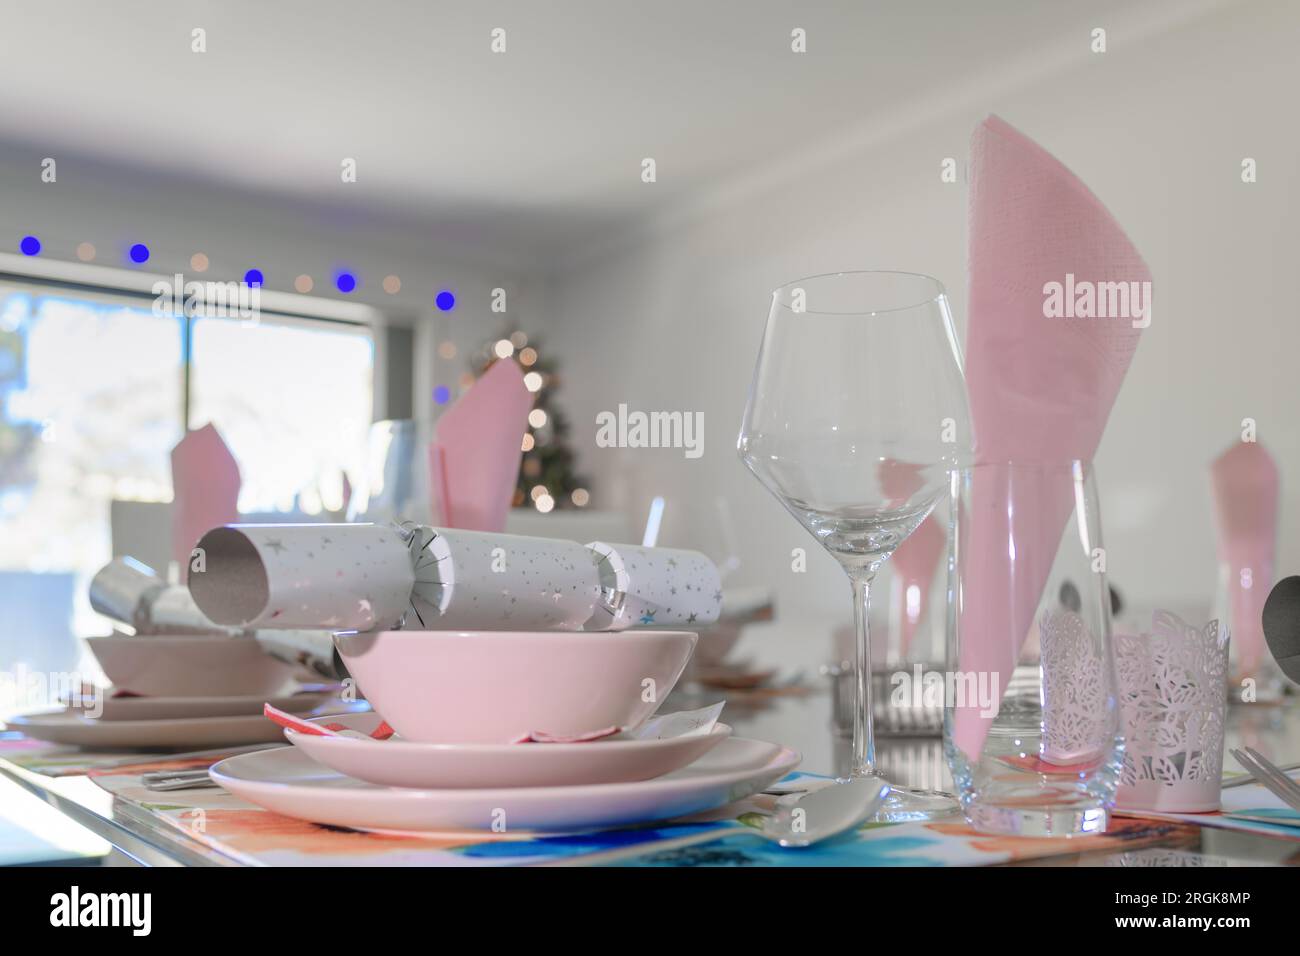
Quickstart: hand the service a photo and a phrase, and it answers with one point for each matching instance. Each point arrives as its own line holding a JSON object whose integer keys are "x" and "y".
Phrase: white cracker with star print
{"x": 476, "y": 580}
{"x": 338, "y": 577}
{"x": 655, "y": 587}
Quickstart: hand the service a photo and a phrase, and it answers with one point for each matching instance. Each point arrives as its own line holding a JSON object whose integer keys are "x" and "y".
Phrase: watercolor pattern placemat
{"x": 246, "y": 834}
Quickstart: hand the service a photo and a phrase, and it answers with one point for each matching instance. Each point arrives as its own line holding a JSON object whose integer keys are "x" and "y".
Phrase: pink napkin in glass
{"x": 475, "y": 453}
{"x": 1245, "y": 483}
{"x": 205, "y": 491}
{"x": 1041, "y": 388}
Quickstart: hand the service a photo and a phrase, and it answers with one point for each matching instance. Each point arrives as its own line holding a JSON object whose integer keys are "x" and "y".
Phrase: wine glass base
{"x": 905, "y": 805}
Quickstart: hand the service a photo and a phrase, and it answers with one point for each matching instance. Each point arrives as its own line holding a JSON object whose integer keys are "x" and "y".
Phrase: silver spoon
{"x": 803, "y": 819}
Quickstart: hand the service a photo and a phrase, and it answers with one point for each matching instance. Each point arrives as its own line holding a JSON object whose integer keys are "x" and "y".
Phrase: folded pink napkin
{"x": 475, "y": 453}
{"x": 1050, "y": 339}
{"x": 291, "y": 722}
{"x": 205, "y": 491}
{"x": 1245, "y": 483}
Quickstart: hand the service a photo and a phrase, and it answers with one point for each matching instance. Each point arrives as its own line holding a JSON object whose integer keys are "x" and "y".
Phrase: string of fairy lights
{"x": 346, "y": 281}
{"x": 515, "y": 346}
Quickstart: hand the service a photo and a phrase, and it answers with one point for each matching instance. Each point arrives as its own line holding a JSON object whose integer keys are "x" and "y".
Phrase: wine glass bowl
{"x": 856, "y": 418}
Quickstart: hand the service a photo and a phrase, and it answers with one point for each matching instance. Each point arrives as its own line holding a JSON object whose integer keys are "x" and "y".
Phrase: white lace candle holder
{"x": 1173, "y": 695}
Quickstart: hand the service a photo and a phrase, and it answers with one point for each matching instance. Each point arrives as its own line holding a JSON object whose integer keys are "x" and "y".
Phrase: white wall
{"x": 1158, "y": 126}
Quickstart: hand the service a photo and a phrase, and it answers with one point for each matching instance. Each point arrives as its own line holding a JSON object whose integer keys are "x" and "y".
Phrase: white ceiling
{"x": 542, "y": 144}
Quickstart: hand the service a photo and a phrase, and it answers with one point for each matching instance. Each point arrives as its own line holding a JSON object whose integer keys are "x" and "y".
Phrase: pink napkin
{"x": 1041, "y": 388}
{"x": 914, "y": 565}
{"x": 475, "y": 453}
{"x": 205, "y": 491}
{"x": 292, "y": 722}
{"x": 1245, "y": 498}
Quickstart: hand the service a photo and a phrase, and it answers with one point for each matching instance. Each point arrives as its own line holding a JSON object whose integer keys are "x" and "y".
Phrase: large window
{"x": 94, "y": 391}
{"x": 293, "y": 403}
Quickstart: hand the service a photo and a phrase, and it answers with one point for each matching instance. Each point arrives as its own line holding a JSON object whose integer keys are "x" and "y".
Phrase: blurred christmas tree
{"x": 547, "y": 479}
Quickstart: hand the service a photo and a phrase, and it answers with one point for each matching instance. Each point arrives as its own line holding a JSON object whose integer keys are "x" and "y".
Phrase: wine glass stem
{"x": 864, "y": 740}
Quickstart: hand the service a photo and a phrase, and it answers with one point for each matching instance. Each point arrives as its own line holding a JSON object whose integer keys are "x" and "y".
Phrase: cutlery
{"x": 177, "y": 779}
{"x": 803, "y": 818}
{"x": 1242, "y": 781}
{"x": 828, "y": 811}
{"x": 1276, "y": 774}
{"x": 1282, "y": 786}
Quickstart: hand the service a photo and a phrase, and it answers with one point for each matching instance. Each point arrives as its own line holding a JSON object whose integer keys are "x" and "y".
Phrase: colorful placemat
{"x": 249, "y": 835}
{"x": 254, "y": 836}
{"x": 60, "y": 760}
{"x": 911, "y": 844}
{"x": 1251, "y": 809}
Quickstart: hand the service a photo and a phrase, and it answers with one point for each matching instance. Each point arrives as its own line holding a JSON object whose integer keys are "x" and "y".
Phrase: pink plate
{"x": 403, "y": 763}
{"x": 174, "y": 708}
{"x": 187, "y": 733}
{"x": 287, "y": 781}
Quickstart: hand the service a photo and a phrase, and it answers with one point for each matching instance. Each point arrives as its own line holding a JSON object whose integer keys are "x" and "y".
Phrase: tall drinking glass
{"x": 1032, "y": 728}
{"x": 856, "y": 417}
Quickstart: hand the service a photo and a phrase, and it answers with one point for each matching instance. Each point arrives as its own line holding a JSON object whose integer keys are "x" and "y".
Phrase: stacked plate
{"x": 175, "y": 692}
{"x": 446, "y": 754}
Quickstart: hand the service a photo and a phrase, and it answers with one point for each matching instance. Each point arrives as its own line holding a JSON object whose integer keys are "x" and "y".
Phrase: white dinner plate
{"x": 171, "y": 708}
{"x": 288, "y": 781}
{"x": 403, "y": 763}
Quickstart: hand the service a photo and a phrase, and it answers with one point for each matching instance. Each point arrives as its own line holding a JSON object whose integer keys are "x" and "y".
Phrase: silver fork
{"x": 1263, "y": 770}
{"x": 1245, "y": 778}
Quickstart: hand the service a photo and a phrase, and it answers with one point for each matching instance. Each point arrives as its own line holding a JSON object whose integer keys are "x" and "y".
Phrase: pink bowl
{"x": 487, "y": 687}
{"x": 184, "y": 666}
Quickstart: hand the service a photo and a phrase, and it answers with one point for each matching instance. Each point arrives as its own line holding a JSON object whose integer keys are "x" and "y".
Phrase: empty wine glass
{"x": 856, "y": 418}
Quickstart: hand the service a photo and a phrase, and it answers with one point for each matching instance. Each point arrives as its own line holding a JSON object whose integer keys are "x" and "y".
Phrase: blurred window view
{"x": 293, "y": 402}
{"x": 93, "y": 395}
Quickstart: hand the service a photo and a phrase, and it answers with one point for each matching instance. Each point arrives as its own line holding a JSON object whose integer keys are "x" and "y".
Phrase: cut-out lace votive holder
{"x": 1173, "y": 695}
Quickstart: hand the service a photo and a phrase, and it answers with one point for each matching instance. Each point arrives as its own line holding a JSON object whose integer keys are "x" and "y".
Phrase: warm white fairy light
{"x": 504, "y": 349}
{"x": 528, "y": 356}
{"x": 544, "y": 504}
{"x": 580, "y": 497}
{"x": 537, "y": 418}
{"x": 539, "y": 491}
{"x": 528, "y": 442}
{"x": 533, "y": 381}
